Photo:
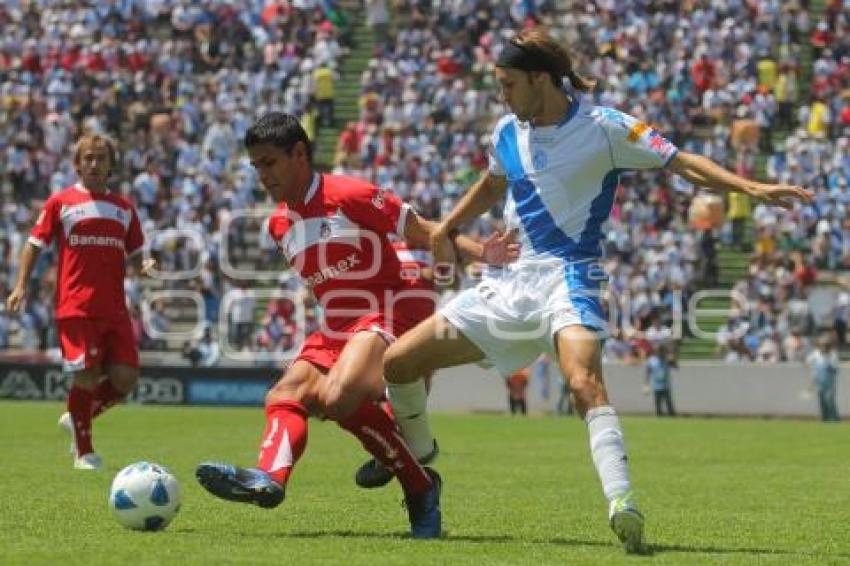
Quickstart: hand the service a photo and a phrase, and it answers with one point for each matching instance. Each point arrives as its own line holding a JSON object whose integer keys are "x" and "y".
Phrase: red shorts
{"x": 87, "y": 343}
{"x": 323, "y": 350}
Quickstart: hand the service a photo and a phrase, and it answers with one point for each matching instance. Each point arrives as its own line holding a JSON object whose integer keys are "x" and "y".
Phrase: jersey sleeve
{"x": 379, "y": 210}
{"x": 494, "y": 166}
{"x": 635, "y": 144}
{"x": 46, "y": 224}
{"x": 135, "y": 239}
{"x": 276, "y": 227}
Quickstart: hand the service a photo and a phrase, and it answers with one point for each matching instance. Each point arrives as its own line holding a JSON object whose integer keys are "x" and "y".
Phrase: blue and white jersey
{"x": 562, "y": 178}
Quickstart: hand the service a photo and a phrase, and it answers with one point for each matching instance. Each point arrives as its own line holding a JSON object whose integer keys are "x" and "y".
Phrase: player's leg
{"x": 77, "y": 421}
{"x": 284, "y": 439}
{"x": 460, "y": 334}
{"x": 350, "y": 396}
{"x": 433, "y": 344}
{"x": 82, "y": 355}
{"x": 579, "y": 356}
{"x": 120, "y": 381}
{"x": 121, "y": 360}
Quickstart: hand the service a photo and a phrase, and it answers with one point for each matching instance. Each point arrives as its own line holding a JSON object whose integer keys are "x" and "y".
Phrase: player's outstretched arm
{"x": 498, "y": 249}
{"x": 480, "y": 197}
{"x": 28, "y": 256}
{"x": 704, "y": 172}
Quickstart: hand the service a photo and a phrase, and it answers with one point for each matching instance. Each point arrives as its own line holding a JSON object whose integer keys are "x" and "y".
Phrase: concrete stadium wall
{"x": 699, "y": 388}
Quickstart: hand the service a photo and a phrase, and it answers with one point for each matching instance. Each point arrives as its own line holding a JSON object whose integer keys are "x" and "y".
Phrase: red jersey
{"x": 337, "y": 240}
{"x": 414, "y": 263}
{"x": 95, "y": 232}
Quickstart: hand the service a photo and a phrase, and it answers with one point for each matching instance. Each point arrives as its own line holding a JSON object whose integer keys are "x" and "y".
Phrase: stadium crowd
{"x": 179, "y": 81}
{"x": 778, "y": 321}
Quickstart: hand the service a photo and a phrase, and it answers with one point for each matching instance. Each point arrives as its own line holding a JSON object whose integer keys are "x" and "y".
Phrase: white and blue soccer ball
{"x": 144, "y": 497}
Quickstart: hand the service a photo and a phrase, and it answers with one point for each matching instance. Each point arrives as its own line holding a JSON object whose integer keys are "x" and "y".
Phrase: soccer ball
{"x": 144, "y": 497}
{"x": 706, "y": 212}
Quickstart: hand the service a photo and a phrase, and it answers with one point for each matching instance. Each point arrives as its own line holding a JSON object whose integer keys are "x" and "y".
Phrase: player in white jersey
{"x": 555, "y": 159}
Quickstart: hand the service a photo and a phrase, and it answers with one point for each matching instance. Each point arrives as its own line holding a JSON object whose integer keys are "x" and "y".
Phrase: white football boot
{"x": 90, "y": 461}
{"x": 627, "y": 523}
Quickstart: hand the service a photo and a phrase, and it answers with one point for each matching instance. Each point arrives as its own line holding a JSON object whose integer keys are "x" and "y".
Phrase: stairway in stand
{"x": 347, "y": 88}
{"x": 732, "y": 263}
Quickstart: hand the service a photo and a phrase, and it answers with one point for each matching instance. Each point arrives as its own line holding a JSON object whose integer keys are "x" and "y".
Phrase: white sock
{"x": 410, "y": 401}
{"x": 608, "y": 451}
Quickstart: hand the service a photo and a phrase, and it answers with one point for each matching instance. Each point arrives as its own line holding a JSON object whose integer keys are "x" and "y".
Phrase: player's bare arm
{"x": 480, "y": 197}
{"x": 28, "y": 256}
{"x": 704, "y": 172}
{"x": 498, "y": 249}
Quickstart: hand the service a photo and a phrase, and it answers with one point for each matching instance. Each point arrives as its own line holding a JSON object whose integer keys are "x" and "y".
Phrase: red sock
{"x": 284, "y": 439}
{"x": 105, "y": 396}
{"x": 80, "y": 407}
{"x": 380, "y": 437}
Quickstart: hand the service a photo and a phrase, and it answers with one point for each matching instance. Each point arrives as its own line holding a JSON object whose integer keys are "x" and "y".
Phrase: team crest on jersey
{"x": 540, "y": 160}
{"x": 378, "y": 200}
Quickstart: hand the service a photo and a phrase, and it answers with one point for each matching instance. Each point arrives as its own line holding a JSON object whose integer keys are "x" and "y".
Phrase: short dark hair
{"x": 279, "y": 129}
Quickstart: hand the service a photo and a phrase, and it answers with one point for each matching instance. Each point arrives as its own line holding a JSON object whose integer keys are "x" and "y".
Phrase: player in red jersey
{"x": 96, "y": 231}
{"x": 334, "y": 231}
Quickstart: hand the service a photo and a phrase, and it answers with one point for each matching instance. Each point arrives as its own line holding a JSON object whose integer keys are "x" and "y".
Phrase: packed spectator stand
{"x": 178, "y": 82}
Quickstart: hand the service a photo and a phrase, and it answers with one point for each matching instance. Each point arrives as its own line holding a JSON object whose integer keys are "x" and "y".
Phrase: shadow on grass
{"x": 508, "y": 539}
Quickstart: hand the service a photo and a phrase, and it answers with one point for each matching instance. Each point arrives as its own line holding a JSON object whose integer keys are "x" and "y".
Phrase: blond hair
{"x": 97, "y": 140}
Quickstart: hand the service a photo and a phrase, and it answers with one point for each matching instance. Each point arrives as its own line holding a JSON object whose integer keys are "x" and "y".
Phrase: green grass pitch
{"x": 517, "y": 491}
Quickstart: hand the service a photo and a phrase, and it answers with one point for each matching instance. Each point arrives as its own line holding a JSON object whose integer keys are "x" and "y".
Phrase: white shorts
{"x": 513, "y": 314}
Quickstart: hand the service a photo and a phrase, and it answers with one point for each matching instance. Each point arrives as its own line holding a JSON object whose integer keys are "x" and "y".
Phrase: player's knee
{"x": 282, "y": 391}
{"x": 125, "y": 381}
{"x": 402, "y": 368}
{"x": 585, "y": 383}
{"x": 339, "y": 400}
{"x": 87, "y": 378}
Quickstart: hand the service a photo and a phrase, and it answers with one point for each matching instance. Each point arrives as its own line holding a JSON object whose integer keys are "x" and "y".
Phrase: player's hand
{"x": 500, "y": 249}
{"x": 783, "y": 195}
{"x": 148, "y": 266}
{"x": 15, "y": 300}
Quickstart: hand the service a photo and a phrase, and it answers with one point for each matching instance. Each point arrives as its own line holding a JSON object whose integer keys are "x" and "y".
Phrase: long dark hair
{"x": 559, "y": 62}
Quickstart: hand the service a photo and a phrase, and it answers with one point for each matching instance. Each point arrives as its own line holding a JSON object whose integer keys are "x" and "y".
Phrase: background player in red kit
{"x": 333, "y": 230}
{"x": 96, "y": 231}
